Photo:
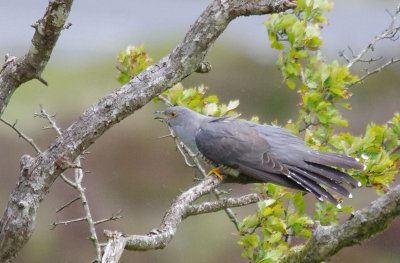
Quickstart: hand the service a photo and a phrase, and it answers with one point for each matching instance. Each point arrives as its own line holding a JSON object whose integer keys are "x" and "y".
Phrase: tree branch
{"x": 18, "y": 221}
{"x": 328, "y": 240}
{"x": 16, "y": 71}
{"x": 179, "y": 210}
{"x": 223, "y": 203}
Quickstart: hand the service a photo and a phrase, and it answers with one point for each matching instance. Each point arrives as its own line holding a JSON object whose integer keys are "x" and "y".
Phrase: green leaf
{"x": 250, "y": 221}
{"x": 277, "y": 45}
{"x": 233, "y": 104}
{"x": 286, "y": 21}
{"x": 250, "y": 240}
{"x": 211, "y": 99}
{"x": 290, "y": 84}
{"x": 275, "y": 237}
{"x": 298, "y": 202}
{"x": 210, "y": 109}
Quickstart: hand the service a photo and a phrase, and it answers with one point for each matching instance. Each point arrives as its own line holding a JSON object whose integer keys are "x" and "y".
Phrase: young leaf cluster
{"x": 132, "y": 61}
{"x": 320, "y": 85}
{"x": 197, "y": 99}
{"x": 266, "y": 233}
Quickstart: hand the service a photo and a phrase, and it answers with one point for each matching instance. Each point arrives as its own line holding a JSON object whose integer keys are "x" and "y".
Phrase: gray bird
{"x": 262, "y": 153}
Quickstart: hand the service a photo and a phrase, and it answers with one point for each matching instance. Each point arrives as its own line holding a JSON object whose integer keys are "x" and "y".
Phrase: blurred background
{"x": 134, "y": 171}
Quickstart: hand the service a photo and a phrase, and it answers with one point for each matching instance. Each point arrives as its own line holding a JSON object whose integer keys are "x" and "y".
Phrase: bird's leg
{"x": 217, "y": 172}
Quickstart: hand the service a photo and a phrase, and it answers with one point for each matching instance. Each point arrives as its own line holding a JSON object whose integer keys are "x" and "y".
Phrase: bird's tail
{"x": 317, "y": 172}
{"x": 334, "y": 159}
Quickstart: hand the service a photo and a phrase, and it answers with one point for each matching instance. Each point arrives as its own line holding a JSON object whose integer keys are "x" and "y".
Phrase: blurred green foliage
{"x": 322, "y": 88}
{"x": 132, "y": 61}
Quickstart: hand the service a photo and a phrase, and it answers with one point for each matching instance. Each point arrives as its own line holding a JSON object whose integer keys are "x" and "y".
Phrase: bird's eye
{"x": 173, "y": 114}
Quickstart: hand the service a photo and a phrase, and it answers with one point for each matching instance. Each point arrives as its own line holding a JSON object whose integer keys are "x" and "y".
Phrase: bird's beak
{"x": 160, "y": 116}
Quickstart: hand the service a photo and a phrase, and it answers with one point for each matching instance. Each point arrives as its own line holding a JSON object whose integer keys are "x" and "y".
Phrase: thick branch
{"x": 179, "y": 210}
{"x": 18, "y": 221}
{"x": 30, "y": 66}
{"x": 173, "y": 217}
{"x": 328, "y": 240}
{"x": 223, "y": 203}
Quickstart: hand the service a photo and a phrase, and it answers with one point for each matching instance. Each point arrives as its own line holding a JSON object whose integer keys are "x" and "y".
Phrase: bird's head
{"x": 178, "y": 116}
{"x": 184, "y": 122}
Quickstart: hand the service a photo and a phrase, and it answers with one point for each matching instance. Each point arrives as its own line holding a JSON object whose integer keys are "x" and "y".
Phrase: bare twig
{"x": 391, "y": 33}
{"x": 228, "y": 211}
{"x": 181, "y": 147}
{"x": 344, "y": 56}
{"x": 377, "y": 70}
{"x": 77, "y": 185}
{"x": 50, "y": 118}
{"x": 85, "y": 204}
{"x": 68, "y": 204}
{"x": 68, "y": 181}
{"x": 113, "y": 217}
{"x": 22, "y": 135}
{"x": 76, "y": 220}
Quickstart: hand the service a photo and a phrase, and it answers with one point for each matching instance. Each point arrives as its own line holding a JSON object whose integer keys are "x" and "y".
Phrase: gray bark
{"x": 179, "y": 210}
{"x": 30, "y": 66}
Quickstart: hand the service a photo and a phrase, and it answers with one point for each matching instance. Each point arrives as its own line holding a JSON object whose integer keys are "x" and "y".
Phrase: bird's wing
{"x": 233, "y": 144}
{"x": 238, "y": 145}
{"x": 292, "y": 151}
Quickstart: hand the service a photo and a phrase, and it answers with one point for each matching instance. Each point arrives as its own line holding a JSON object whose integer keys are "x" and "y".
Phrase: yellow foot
{"x": 215, "y": 171}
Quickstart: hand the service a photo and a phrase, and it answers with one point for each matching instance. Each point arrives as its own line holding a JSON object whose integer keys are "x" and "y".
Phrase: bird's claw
{"x": 216, "y": 171}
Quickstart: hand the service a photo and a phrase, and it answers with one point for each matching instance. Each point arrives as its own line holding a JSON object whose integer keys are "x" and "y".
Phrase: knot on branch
{"x": 284, "y": 5}
{"x": 204, "y": 67}
{"x": 25, "y": 163}
{"x": 112, "y": 234}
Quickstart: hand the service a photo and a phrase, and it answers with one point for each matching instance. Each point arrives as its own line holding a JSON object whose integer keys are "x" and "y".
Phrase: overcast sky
{"x": 103, "y": 27}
